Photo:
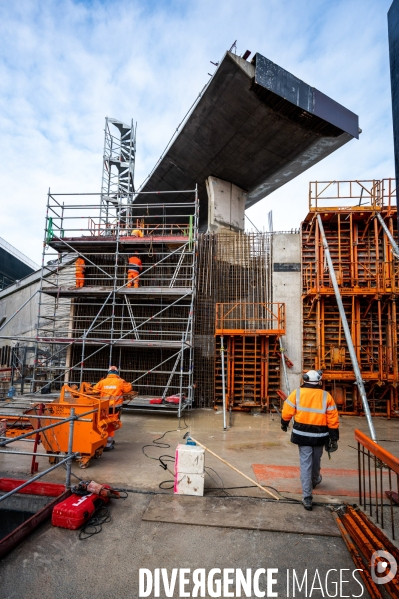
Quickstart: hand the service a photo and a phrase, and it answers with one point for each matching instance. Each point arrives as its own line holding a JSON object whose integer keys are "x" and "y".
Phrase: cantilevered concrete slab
{"x": 256, "y": 126}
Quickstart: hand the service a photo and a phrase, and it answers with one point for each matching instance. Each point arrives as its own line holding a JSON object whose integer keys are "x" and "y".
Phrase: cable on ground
{"x": 95, "y": 525}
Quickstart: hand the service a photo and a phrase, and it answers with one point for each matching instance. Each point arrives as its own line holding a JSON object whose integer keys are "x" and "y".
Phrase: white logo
{"x": 381, "y": 566}
{"x": 84, "y": 497}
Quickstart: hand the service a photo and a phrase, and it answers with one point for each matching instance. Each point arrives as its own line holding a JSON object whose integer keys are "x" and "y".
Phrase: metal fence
{"x": 69, "y": 456}
{"x": 378, "y": 472}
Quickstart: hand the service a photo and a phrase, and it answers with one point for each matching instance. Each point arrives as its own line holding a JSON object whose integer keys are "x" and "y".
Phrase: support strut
{"x": 348, "y": 337}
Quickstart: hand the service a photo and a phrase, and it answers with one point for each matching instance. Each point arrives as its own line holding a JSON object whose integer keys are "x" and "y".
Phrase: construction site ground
{"x": 152, "y": 529}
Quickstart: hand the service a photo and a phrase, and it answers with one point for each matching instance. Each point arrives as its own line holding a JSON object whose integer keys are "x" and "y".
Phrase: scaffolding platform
{"x": 141, "y": 403}
{"x": 94, "y": 243}
{"x": 117, "y": 343}
{"x": 94, "y": 291}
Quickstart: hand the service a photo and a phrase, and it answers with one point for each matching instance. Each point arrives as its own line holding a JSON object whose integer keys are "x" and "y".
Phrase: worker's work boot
{"x": 110, "y": 444}
{"x": 307, "y": 503}
{"x": 317, "y": 481}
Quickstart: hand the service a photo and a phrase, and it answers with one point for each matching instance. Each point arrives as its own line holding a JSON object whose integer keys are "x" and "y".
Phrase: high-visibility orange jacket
{"x": 135, "y": 263}
{"x": 315, "y": 416}
{"x": 113, "y": 386}
{"x": 80, "y": 265}
{"x": 137, "y": 233}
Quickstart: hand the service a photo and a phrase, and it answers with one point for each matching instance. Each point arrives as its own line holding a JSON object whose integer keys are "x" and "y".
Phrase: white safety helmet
{"x": 313, "y": 376}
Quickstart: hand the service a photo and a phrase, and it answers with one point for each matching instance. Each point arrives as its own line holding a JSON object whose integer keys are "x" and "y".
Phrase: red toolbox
{"x": 74, "y": 511}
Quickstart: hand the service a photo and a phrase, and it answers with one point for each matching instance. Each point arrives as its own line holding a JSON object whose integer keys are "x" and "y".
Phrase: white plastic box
{"x": 189, "y": 470}
{"x": 189, "y": 484}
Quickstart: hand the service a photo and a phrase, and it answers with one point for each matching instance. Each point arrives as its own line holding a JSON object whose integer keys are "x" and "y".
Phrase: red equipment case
{"x": 74, "y": 511}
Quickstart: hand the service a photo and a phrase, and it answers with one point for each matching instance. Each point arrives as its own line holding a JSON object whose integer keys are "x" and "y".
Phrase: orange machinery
{"x": 90, "y": 434}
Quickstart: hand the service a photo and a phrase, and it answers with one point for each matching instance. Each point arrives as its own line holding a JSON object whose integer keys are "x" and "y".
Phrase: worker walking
{"x": 135, "y": 267}
{"x": 80, "y": 266}
{"x": 316, "y": 425}
{"x": 114, "y": 387}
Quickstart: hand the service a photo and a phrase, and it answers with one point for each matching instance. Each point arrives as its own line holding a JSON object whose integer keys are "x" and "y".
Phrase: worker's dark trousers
{"x": 309, "y": 460}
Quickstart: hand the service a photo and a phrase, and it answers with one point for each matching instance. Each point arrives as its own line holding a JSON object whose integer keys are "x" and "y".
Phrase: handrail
{"x": 379, "y": 452}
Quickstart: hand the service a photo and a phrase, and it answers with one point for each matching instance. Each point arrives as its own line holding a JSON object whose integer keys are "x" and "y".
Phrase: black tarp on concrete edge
{"x": 257, "y": 126}
{"x": 393, "y": 35}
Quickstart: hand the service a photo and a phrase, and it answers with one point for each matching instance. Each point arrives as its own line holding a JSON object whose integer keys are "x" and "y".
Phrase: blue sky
{"x": 65, "y": 65}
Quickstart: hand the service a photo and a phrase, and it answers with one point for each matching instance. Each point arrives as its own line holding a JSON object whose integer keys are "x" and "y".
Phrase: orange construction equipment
{"x": 134, "y": 269}
{"x": 90, "y": 435}
{"x": 80, "y": 266}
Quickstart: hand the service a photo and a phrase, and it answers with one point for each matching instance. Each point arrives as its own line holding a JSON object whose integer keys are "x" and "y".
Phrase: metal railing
{"x": 378, "y": 472}
{"x": 371, "y": 194}
{"x": 66, "y": 460}
{"x": 240, "y": 318}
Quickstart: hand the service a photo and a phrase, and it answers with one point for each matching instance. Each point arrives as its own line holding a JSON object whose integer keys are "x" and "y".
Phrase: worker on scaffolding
{"x": 113, "y": 387}
{"x": 135, "y": 266}
{"x": 316, "y": 425}
{"x": 139, "y": 230}
{"x": 80, "y": 267}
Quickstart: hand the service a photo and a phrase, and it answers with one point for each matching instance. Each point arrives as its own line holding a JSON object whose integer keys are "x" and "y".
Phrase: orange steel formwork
{"x": 367, "y": 273}
{"x": 251, "y": 332}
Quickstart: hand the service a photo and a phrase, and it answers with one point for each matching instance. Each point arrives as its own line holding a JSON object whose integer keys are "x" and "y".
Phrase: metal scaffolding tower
{"x": 117, "y": 184}
{"x": 147, "y": 331}
{"x": 91, "y": 319}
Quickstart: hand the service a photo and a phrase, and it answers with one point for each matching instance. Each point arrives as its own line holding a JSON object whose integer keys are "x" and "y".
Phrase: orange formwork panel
{"x": 367, "y": 273}
{"x": 251, "y": 332}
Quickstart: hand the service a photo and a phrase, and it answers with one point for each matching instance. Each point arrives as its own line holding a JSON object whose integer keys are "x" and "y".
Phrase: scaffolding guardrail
{"x": 378, "y": 479}
{"x": 67, "y": 460}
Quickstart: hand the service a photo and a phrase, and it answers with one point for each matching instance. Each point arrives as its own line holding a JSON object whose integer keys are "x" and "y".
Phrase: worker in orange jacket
{"x": 137, "y": 233}
{"x": 316, "y": 425}
{"x": 80, "y": 266}
{"x": 135, "y": 267}
{"x": 113, "y": 387}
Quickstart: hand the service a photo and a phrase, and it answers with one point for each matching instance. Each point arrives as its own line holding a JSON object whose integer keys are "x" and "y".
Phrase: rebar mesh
{"x": 232, "y": 267}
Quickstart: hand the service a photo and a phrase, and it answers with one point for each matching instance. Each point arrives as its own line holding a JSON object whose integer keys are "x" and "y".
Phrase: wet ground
{"x": 254, "y": 444}
{"x": 55, "y": 563}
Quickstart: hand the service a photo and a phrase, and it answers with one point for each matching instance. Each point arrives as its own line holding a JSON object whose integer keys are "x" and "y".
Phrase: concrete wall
{"x": 226, "y": 205}
{"x": 24, "y": 323}
{"x": 287, "y": 288}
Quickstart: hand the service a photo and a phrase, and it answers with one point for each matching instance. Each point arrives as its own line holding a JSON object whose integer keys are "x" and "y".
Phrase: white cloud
{"x": 66, "y": 65}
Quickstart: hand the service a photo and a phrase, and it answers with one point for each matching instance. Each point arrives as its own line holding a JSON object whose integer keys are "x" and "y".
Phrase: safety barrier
{"x": 23, "y": 437}
{"x": 378, "y": 472}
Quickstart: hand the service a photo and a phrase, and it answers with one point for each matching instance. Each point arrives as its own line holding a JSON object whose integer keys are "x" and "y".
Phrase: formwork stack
{"x": 367, "y": 274}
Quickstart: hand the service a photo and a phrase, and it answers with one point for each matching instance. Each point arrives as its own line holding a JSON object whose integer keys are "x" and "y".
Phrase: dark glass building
{"x": 13, "y": 264}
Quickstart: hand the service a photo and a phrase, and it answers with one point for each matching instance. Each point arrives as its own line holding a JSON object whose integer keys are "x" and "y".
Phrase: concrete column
{"x": 226, "y": 206}
{"x": 287, "y": 288}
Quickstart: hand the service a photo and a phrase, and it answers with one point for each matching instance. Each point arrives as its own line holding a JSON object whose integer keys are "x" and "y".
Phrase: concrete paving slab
{"x": 248, "y": 513}
{"x": 54, "y": 564}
